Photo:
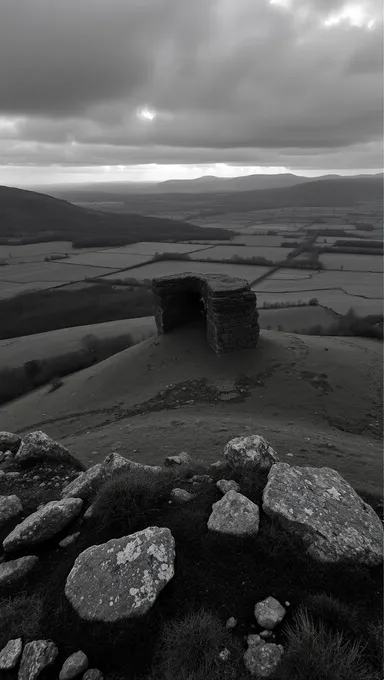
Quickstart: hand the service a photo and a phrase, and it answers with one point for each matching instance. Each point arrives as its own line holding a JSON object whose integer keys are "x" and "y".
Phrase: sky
{"x": 149, "y": 90}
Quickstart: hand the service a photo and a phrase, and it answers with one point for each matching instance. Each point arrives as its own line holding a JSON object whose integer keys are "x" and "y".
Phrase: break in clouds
{"x": 291, "y": 83}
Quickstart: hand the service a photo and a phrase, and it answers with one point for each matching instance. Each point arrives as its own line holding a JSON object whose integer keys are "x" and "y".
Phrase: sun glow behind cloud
{"x": 354, "y": 15}
{"x": 146, "y": 114}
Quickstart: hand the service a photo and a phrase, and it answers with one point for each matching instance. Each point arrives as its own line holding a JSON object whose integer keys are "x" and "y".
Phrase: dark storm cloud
{"x": 234, "y": 78}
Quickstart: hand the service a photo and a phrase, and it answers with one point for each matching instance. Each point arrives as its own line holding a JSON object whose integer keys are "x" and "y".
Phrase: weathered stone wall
{"x": 230, "y": 308}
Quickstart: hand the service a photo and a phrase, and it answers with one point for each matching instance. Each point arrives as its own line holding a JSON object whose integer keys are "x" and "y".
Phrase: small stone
{"x": 10, "y": 654}
{"x": 269, "y": 613}
{"x": 219, "y": 465}
{"x": 114, "y": 462}
{"x": 201, "y": 479}
{"x": 2, "y": 473}
{"x": 9, "y": 442}
{"x": 253, "y": 451}
{"x": 10, "y": 508}
{"x": 234, "y": 515}
{"x": 43, "y": 524}
{"x": 75, "y": 665}
{"x": 231, "y": 623}
{"x": 182, "y": 458}
{"x": 37, "y": 656}
{"x": 225, "y": 485}
{"x": 42, "y": 485}
{"x": 181, "y": 495}
{"x": 68, "y": 540}
{"x": 93, "y": 674}
{"x": 266, "y": 634}
{"x": 13, "y": 475}
{"x": 225, "y": 654}
{"x": 15, "y": 571}
{"x": 262, "y": 659}
{"x": 89, "y": 512}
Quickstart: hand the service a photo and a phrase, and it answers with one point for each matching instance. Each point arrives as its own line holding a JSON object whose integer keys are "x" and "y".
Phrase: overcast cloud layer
{"x": 295, "y": 84}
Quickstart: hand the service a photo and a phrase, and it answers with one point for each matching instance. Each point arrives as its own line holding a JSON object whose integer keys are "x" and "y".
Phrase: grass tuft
{"x": 313, "y": 651}
{"x": 189, "y": 648}
{"x": 20, "y": 616}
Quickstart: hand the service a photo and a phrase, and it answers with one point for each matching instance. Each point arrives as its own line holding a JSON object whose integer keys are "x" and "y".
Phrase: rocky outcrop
{"x": 269, "y": 613}
{"x": 15, "y": 571}
{"x": 114, "y": 462}
{"x": 317, "y": 504}
{"x": 250, "y": 452}
{"x": 227, "y": 304}
{"x": 122, "y": 579}
{"x": 182, "y": 458}
{"x": 43, "y": 524}
{"x": 234, "y": 515}
{"x": 261, "y": 658}
{"x": 10, "y": 508}
{"x": 9, "y": 442}
{"x": 37, "y": 656}
{"x": 37, "y": 446}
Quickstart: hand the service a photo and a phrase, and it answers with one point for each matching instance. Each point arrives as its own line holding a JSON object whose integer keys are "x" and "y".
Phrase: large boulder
{"x": 85, "y": 484}
{"x": 9, "y": 441}
{"x": 37, "y": 656}
{"x": 317, "y": 504}
{"x": 261, "y": 658}
{"x": 235, "y": 515}
{"x": 250, "y": 452}
{"x": 121, "y": 579}
{"x": 43, "y": 524}
{"x": 10, "y": 508}
{"x": 37, "y": 446}
{"x": 114, "y": 462}
{"x": 269, "y": 613}
{"x": 15, "y": 571}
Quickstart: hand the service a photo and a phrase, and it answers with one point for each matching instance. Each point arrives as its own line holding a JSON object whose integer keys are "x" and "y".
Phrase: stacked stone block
{"x": 230, "y": 308}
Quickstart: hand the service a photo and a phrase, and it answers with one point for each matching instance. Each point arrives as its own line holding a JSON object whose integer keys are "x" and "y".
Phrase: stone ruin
{"x": 227, "y": 305}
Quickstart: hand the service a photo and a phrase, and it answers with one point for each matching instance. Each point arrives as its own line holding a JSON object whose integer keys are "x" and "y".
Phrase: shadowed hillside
{"x": 30, "y": 216}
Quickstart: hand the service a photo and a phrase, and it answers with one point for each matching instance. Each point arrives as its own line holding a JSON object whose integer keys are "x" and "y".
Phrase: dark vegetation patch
{"x": 59, "y": 308}
{"x": 222, "y": 576}
{"x": 351, "y": 324}
{"x": 16, "y": 381}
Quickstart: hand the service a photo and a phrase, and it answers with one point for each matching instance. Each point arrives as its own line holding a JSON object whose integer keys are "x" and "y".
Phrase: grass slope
{"x": 27, "y": 214}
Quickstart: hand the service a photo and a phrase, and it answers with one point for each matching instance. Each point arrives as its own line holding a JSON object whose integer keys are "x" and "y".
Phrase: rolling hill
{"x": 317, "y": 399}
{"x": 30, "y": 216}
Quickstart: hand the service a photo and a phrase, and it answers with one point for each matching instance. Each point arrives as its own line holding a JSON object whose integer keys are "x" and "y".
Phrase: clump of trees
{"x": 351, "y": 324}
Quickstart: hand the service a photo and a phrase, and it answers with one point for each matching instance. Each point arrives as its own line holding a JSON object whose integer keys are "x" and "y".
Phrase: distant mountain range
{"x": 30, "y": 216}
{"x": 202, "y": 185}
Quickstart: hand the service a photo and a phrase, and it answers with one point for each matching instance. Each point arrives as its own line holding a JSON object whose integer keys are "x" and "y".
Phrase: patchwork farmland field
{"x": 164, "y": 268}
{"x": 352, "y": 262}
{"x": 226, "y": 252}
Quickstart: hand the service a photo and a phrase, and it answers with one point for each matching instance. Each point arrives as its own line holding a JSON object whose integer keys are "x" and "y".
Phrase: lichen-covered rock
{"x": 10, "y": 655}
{"x": 122, "y": 579}
{"x": 10, "y": 508}
{"x": 317, "y": 504}
{"x": 86, "y": 483}
{"x": 261, "y": 658}
{"x": 9, "y": 441}
{"x": 15, "y": 571}
{"x": 75, "y": 665}
{"x": 116, "y": 463}
{"x": 253, "y": 451}
{"x": 43, "y": 524}
{"x": 37, "y": 656}
{"x": 89, "y": 513}
{"x": 231, "y": 623}
{"x": 37, "y": 446}
{"x": 93, "y": 674}
{"x": 182, "y": 458}
{"x": 225, "y": 485}
{"x": 181, "y": 496}
{"x": 235, "y": 515}
{"x": 218, "y": 465}
{"x": 269, "y": 613}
